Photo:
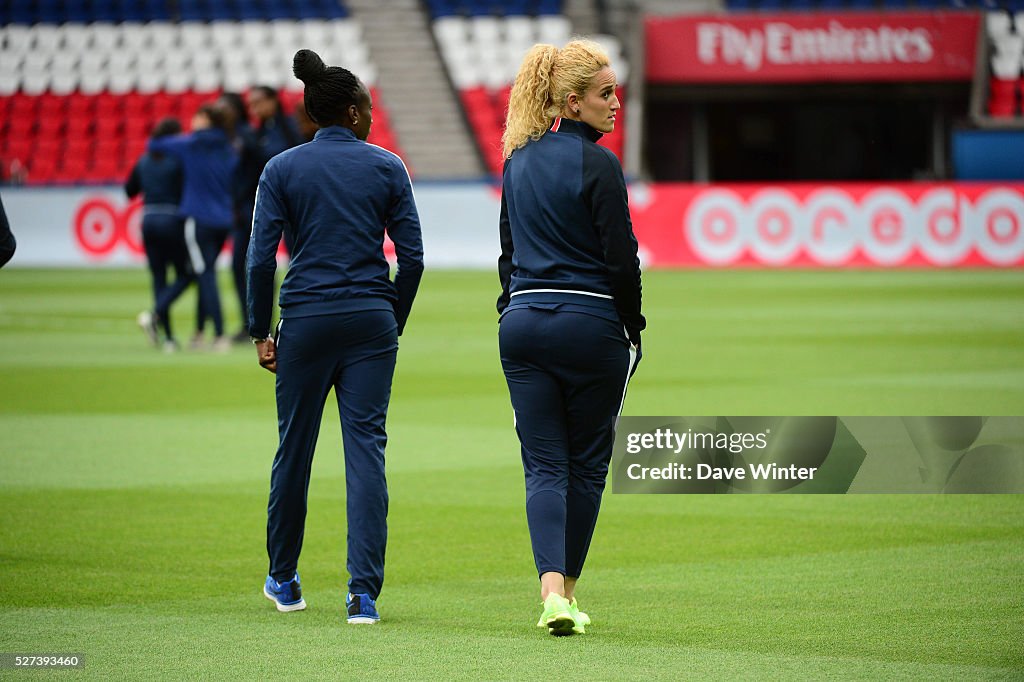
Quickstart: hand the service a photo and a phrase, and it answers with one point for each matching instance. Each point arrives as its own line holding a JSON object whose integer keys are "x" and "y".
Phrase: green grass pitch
{"x": 134, "y": 486}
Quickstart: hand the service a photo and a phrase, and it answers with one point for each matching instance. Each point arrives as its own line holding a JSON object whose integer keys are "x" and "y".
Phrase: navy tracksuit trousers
{"x": 210, "y": 240}
{"x": 566, "y": 374}
{"x": 353, "y": 353}
{"x": 163, "y": 237}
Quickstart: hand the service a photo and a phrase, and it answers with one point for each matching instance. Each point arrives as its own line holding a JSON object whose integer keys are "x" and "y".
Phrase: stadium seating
{"x": 482, "y": 54}
{"x": 77, "y": 99}
{"x": 1005, "y": 84}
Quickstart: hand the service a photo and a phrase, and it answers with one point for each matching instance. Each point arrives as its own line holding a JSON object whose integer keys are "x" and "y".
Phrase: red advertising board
{"x": 818, "y": 47}
{"x": 841, "y": 225}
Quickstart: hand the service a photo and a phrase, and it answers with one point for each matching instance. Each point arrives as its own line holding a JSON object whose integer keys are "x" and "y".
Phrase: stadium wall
{"x": 677, "y": 225}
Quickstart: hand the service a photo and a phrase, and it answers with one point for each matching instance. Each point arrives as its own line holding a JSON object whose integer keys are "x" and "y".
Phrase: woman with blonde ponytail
{"x": 570, "y": 318}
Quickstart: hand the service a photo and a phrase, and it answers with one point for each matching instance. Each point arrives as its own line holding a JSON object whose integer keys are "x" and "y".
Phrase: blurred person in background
{"x": 209, "y": 161}
{"x": 158, "y": 177}
{"x": 7, "y": 243}
{"x": 341, "y": 316}
{"x": 570, "y": 318}
{"x": 307, "y": 126}
{"x": 275, "y": 130}
{"x": 247, "y": 176}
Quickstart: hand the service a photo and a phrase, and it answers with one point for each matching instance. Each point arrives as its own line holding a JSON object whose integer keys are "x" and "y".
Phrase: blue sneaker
{"x": 287, "y": 596}
{"x": 361, "y": 609}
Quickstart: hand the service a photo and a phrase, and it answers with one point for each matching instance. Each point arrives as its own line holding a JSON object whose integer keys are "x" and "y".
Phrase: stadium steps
{"x": 423, "y": 109}
{"x": 585, "y": 18}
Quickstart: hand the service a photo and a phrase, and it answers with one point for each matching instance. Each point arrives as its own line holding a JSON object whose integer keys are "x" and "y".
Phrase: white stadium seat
{"x": 151, "y": 81}
{"x": 451, "y": 30}
{"x": 17, "y": 38}
{"x": 176, "y": 60}
{"x": 64, "y": 82}
{"x": 10, "y": 62}
{"x": 465, "y": 74}
{"x": 998, "y": 24}
{"x": 35, "y": 83}
{"x": 205, "y": 60}
{"x": 316, "y": 32}
{"x": 92, "y": 62}
{"x": 345, "y": 31}
{"x": 485, "y": 30}
{"x": 134, "y": 36}
{"x": 178, "y": 81}
{"x": 162, "y": 36}
{"x": 46, "y": 37}
{"x": 256, "y": 34}
{"x": 195, "y": 35}
{"x": 9, "y": 82}
{"x": 520, "y": 30}
{"x": 104, "y": 36}
{"x": 205, "y": 80}
{"x": 122, "y": 82}
{"x": 555, "y": 30}
{"x": 1006, "y": 67}
{"x": 92, "y": 82}
{"x": 236, "y": 80}
{"x": 1009, "y": 45}
{"x": 37, "y": 62}
{"x": 225, "y": 35}
{"x": 285, "y": 33}
{"x": 75, "y": 37}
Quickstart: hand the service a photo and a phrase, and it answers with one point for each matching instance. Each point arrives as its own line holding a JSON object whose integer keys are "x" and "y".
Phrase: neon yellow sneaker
{"x": 556, "y": 617}
{"x": 579, "y": 618}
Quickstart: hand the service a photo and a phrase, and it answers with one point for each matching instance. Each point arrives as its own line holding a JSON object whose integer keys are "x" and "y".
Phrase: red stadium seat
{"x": 79, "y": 127}
{"x": 1002, "y": 101}
{"x": 107, "y": 128}
{"x": 42, "y": 169}
{"x": 50, "y": 125}
{"x": 20, "y": 126}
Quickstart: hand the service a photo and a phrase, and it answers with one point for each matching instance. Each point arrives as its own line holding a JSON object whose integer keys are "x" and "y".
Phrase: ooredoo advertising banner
{"x": 796, "y": 225}
{"x": 813, "y": 47}
{"x": 927, "y": 224}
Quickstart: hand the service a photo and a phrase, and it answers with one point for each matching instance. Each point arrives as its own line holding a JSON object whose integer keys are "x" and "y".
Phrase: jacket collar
{"x": 335, "y": 133}
{"x": 567, "y": 125}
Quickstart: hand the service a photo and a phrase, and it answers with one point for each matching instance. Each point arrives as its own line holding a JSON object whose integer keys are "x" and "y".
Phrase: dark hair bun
{"x": 308, "y": 67}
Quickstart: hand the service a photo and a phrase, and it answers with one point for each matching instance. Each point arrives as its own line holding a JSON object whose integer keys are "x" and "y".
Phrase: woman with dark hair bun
{"x": 209, "y": 161}
{"x": 341, "y": 316}
{"x": 158, "y": 178}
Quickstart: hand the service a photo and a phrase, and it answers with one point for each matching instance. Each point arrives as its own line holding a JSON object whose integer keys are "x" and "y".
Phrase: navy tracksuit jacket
{"x": 570, "y": 328}
{"x": 341, "y": 315}
{"x": 158, "y": 178}
{"x": 7, "y": 241}
{"x": 209, "y": 161}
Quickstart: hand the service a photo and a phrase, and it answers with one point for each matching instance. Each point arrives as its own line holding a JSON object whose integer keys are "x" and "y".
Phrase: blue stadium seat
{"x": 548, "y": 7}
{"x": 854, "y": 4}
{"x": 442, "y": 8}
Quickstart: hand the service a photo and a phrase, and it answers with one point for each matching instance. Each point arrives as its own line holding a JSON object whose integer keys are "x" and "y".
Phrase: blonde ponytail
{"x": 546, "y": 77}
{"x": 530, "y": 99}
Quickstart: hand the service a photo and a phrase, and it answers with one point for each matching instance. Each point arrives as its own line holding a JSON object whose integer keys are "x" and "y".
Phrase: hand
{"x": 266, "y": 354}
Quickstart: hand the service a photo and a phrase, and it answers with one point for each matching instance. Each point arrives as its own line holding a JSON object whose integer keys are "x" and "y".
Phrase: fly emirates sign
{"x": 780, "y": 43}
{"x": 855, "y": 47}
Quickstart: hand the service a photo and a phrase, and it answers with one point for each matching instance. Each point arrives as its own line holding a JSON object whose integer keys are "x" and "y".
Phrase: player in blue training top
{"x": 209, "y": 162}
{"x": 341, "y": 316}
{"x": 569, "y": 304}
